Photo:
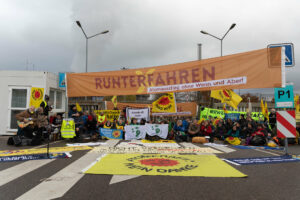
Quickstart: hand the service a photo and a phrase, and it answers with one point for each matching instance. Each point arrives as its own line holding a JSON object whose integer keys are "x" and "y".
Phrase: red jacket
{"x": 206, "y": 130}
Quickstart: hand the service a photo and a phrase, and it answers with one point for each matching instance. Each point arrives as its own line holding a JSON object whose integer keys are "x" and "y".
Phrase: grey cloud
{"x": 142, "y": 33}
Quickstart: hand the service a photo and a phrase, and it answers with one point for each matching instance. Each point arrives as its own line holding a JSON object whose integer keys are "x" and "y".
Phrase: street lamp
{"x": 86, "y": 37}
{"x": 221, "y": 39}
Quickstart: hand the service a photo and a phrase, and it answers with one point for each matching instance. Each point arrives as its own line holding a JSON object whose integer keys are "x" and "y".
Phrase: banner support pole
{"x": 283, "y": 85}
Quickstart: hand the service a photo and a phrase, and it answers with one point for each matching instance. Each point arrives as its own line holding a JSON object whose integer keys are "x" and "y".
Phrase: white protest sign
{"x": 134, "y": 132}
{"x": 138, "y": 113}
{"x": 160, "y": 130}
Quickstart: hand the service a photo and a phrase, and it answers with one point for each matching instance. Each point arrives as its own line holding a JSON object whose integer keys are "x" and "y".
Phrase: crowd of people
{"x": 249, "y": 131}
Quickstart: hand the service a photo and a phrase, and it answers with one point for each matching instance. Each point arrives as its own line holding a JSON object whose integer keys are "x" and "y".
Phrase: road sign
{"x": 286, "y": 124}
{"x": 284, "y": 97}
{"x": 289, "y": 53}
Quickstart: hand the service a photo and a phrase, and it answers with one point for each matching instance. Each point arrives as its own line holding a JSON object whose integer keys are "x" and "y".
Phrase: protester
{"x": 91, "y": 126}
{"x": 134, "y": 121}
{"x": 108, "y": 124}
{"x": 205, "y": 129}
{"x": 28, "y": 120}
{"x": 41, "y": 123}
{"x": 272, "y": 118}
{"x": 45, "y": 105}
{"x": 234, "y": 131}
{"x": 259, "y": 137}
{"x": 220, "y": 131}
{"x": 194, "y": 129}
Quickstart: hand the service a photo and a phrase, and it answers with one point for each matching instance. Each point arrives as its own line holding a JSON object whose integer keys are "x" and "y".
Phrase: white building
{"x": 15, "y": 87}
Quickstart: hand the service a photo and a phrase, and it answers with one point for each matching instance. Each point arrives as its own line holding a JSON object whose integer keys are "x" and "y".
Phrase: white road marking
{"x": 234, "y": 163}
{"x": 120, "y": 178}
{"x": 274, "y": 154}
{"x": 220, "y": 147}
{"x": 58, "y": 184}
{"x": 19, "y": 170}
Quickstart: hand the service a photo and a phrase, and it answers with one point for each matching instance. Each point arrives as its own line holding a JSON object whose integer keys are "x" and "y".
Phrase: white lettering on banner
{"x": 188, "y": 86}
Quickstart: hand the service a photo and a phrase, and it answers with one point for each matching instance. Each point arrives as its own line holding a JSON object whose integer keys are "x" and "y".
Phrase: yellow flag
{"x": 262, "y": 107}
{"x": 165, "y": 104}
{"x": 79, "y": 109}
{"x": 266, "y": 111}
{"x": 297, "y": 103}
{"x": 227, "y": 96}
{"x": 224, "y": 108}
{"x": 36, "y": 96}
{"x": 114, "y": 101}
{"x": 200, "y": 120}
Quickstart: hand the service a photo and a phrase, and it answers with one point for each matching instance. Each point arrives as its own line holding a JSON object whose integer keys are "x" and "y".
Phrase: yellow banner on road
{"x": 165, "y": 165}
{"x": 36, "y": 96}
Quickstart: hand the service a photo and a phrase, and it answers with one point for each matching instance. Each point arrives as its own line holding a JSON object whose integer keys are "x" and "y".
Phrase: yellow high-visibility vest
{"x": 107, "y": 126}
{"x": 68, "y": 129}
{"x": 45, "y": 103}
{"x": 101, "y": 119}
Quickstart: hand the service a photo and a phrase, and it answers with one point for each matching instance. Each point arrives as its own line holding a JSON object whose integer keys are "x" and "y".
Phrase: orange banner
{"x": 183, "y": 109}
{"x": 254, "y": 69}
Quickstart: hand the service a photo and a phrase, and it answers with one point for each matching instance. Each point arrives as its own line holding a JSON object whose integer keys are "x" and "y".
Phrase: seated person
{"x": 120, "y": 124}
{"x": 179, "y": 131}
{"x": 108, "y": 124}
{"x": 134, "y": 121}
{"x": 91, "y": 125}
{"x": 233, "y": 132}
{"x": 193, "y": 129}
{"x": 220, "y": 131}
{"x": 27, "y": 121}
{"x": 179, "y": 127}
{"x": 41, "y": 122}
{"x": 259, "y": 137}
{"x": 206, "y": 130}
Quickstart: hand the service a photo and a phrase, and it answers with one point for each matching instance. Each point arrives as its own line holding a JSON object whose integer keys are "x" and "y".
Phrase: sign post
{"x": 286, "y": 125}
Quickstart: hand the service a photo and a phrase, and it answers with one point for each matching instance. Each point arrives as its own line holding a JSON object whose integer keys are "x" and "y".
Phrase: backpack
{"x": 17, "y": 140}
{"x": 258, "y": 141}
{"x": 10, "y": 141}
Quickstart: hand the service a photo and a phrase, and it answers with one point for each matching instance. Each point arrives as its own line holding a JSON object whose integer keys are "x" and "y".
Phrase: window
{"x": 56, "y": 99}
{"x": 19, "y": 102}
{"x": 52, "y": 97}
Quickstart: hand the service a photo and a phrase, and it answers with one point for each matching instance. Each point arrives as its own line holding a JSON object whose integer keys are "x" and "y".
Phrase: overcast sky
{"x": 143, "y": 33}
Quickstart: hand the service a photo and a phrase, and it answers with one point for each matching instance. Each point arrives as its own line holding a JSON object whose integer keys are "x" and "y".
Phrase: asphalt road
{"x": 266, "y": 181}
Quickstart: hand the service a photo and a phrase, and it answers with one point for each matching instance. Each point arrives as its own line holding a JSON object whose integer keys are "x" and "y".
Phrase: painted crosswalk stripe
{"x": 19, "y": 170}
{"x": 58, "y": 184}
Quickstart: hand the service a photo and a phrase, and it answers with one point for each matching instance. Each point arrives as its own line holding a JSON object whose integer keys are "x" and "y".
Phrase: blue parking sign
{"x": 289, "y": 53}
{"x": 284, "y": 97}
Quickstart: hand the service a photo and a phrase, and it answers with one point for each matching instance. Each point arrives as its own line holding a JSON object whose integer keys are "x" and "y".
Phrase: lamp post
{"x": 86, "y": 37}
{"x": 221, "y": 39}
